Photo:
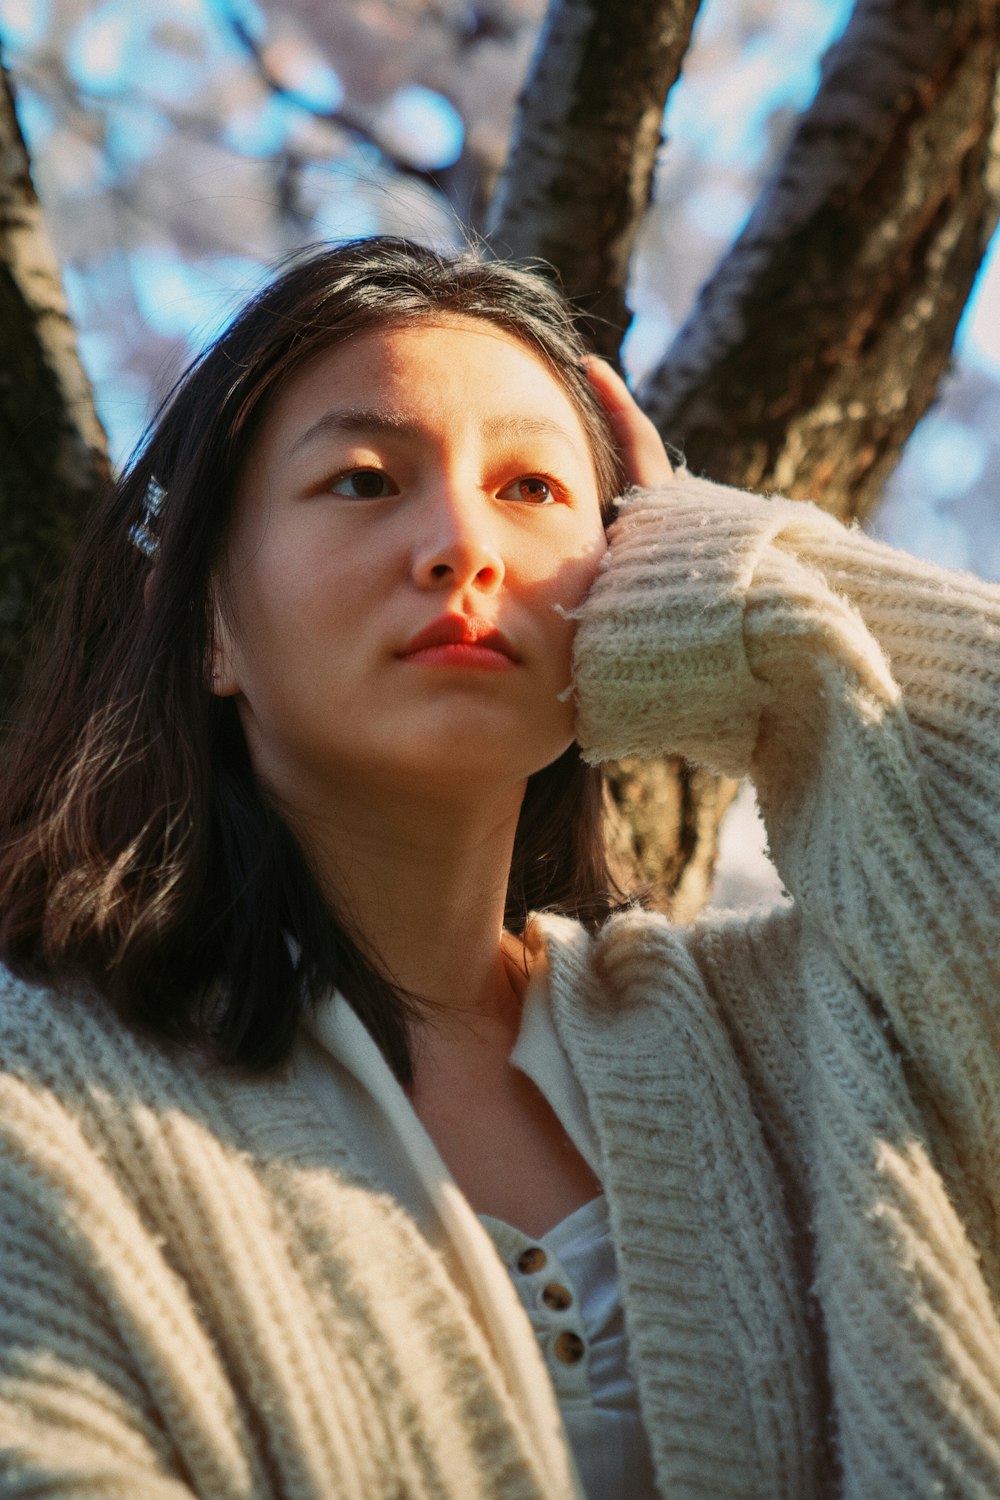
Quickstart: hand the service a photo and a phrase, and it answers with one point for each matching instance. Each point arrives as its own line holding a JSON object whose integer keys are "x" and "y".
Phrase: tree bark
{"x": 662, "y": 831}
{"x": 580, "y": 169}
{"x": 54, "y": 457}
{"x": 820, "y": 341}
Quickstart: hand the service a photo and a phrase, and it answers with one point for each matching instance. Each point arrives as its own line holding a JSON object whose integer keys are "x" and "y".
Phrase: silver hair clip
{"x": 143, "y": 533}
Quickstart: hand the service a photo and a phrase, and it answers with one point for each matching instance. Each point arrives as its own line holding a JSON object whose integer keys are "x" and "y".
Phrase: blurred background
{"x": 181, "y": 148}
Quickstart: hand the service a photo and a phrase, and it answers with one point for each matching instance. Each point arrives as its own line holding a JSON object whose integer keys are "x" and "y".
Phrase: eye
{"x": 363, "y": 484}
{"x": 533, "y": 489}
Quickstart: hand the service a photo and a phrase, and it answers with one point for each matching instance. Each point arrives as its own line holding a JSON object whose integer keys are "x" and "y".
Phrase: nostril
{"x": 440, "y": 570}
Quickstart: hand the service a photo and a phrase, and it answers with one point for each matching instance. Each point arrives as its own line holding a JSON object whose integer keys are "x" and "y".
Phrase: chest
{"x": 501, "y": 1140}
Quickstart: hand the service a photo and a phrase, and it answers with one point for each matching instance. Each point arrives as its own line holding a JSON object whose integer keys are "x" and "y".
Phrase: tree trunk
{"x": 580, "y": 168}
{"x": 662, "y": 830}
{"x": 821, "y": 339}
{"x": 53, "y": 447}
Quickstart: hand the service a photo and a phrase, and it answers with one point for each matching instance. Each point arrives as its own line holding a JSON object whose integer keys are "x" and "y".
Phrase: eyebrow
{"x": 370, "y": 420}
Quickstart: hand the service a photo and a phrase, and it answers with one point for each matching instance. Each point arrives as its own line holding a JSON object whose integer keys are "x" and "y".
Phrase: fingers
{"x": 641, "y": 447}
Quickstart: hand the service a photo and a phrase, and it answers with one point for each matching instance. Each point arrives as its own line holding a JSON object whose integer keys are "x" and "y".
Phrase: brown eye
{"x": 363, "y": 484}
{"x": 530, "y": 488}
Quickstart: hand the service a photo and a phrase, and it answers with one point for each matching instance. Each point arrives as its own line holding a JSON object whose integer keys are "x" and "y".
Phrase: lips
{"x": 460, "y": 630}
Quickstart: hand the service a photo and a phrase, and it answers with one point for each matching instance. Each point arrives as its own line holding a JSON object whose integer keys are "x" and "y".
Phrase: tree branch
{"x": 580, "y": 168}
{"x": 341, "y": 119}
{"x": 821, "y": 339}
{"x": 53, "y": 457}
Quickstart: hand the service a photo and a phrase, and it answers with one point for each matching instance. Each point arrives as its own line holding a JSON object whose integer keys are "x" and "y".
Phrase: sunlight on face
{"x": 418, "y": 507}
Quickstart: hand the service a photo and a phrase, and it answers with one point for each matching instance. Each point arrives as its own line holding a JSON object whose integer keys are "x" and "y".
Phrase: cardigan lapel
{"x": 385, "y": 1290}
{"x": 713, "y": 1306}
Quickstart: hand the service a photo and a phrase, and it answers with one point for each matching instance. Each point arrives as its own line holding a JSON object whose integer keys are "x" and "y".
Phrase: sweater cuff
{"x": 660, "y": 665}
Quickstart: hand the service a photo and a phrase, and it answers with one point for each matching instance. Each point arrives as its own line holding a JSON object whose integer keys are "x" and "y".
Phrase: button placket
{"x": 547, "y": 1294}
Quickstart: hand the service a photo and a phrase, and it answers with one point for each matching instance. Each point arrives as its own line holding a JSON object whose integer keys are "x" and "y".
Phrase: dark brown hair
{"x": 137, "y": 849}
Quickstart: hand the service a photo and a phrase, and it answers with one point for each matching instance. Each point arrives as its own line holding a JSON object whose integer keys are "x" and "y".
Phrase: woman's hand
{"x": 641, "y": 447}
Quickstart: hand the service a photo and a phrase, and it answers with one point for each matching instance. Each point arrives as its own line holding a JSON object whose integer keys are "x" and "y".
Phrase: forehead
{"x": 451, "y": 370}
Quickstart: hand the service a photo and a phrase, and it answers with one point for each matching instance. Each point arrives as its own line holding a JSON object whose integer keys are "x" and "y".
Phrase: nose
{"x": 457, "y": 548}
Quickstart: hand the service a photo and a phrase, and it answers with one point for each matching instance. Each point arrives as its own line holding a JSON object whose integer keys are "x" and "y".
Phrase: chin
{"x": 457, "y": 761}
{"x": 502, "y": 743}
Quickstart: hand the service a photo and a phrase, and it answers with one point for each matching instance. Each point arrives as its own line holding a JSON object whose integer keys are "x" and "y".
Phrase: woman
{"x": 302, "y": 1113}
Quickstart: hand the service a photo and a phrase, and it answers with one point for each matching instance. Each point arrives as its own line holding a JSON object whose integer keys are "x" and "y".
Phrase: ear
{"x": 221, "y": 667}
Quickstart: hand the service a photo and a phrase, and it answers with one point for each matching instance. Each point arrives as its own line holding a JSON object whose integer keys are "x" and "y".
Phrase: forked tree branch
{"x": 580, "y": 168}
{"x": 822, "y": 337}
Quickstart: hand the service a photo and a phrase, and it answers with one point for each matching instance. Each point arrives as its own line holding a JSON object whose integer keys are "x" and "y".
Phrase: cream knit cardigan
{"x": 799, "y": 1113}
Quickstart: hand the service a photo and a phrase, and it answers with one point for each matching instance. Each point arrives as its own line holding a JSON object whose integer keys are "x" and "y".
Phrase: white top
{"x": 568, "y": 1285}
{"x": 583, "y": 1343}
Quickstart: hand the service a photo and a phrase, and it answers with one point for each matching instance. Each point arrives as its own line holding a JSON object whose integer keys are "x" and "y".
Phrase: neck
{"x": 422, "y": 882}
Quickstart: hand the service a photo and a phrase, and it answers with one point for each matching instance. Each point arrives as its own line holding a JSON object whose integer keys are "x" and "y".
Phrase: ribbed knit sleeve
{"x": 74, "y": 1418}
{"x": 83, "y": 1289}
{"x": 201, "y": 1293}
{"x": 861, "y": 690}
{"x": 664, "y": 617}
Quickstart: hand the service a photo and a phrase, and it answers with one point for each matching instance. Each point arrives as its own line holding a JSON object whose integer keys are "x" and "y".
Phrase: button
{"x": 531, "y": 1260}
{"x": 556, "y": 1296}
{"x": 569, "y": 1347}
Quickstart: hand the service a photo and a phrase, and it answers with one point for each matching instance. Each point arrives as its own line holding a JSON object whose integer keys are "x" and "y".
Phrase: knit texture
{"x": 798, "y": 1112}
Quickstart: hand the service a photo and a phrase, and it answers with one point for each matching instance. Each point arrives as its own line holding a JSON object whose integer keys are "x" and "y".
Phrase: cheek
{"x": 560, "y": 594}
{"x": 267, "y": 626}
{"x": 577, "y": 572}
{"x": 281, "y": 586}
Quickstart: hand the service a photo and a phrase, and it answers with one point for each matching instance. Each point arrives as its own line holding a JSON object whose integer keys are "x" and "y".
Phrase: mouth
{"x": 461, "y": 641}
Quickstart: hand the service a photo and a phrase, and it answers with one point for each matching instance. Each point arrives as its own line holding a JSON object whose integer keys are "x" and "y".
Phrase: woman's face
{"x": 419, "y": 504}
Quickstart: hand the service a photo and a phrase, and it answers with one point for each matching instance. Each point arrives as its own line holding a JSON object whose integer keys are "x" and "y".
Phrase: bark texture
{"x": 580, "y": 169}
{"x": 52, "y": 448}
{"x": 662, "y": 831}
{"x": 821, "y": 340}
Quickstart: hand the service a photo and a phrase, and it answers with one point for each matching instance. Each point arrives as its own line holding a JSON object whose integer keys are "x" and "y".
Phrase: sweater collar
{"x": 713, "y": 1303}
